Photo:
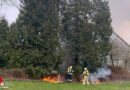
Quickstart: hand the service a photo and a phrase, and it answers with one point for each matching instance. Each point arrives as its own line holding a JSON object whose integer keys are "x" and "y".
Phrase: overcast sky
{"x": 120, "y": 13}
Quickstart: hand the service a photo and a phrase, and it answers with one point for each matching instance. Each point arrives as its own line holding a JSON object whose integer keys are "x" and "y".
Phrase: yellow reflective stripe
{"x": 68, "y": 69}
{"x": 87, "y": 72}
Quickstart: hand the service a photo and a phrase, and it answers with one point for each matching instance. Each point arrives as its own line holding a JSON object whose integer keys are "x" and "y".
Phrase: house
{"x": 120, "y": 53}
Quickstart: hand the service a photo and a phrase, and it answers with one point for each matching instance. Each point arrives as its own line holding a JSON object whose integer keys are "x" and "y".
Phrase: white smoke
{"x": 102, "y": 72}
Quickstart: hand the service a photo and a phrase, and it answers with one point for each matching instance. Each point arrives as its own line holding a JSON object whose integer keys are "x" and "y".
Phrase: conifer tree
{"x": 42, "y": 43}
{"x": 3, "y": 41}
{"x": 88, "y": 40}
{"x": 102, "y": 21}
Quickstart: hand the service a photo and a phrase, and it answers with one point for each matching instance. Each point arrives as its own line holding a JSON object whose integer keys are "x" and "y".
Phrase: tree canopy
{"x": 45, "y": 30}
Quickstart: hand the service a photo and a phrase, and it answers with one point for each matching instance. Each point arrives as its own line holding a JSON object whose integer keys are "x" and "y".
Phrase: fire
{"x": 47, "y": 79}
{"x": 98, "y": 82}
{"x": 58, "y": 77}
{"x": 52, "y": 79}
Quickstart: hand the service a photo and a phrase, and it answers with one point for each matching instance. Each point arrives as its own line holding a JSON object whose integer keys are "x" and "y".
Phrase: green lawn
{"x": 28, "y": 85}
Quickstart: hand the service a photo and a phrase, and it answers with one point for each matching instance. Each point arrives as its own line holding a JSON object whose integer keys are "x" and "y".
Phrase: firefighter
{"x": 85, "y": 76}
{"x": 69, "y": 74}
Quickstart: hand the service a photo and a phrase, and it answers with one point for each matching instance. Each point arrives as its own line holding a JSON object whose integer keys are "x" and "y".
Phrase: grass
{"x": 30, "y": 85}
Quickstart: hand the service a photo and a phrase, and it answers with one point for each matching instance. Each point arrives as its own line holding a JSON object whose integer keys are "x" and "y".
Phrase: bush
{"x": 35, "y": 72}
{"x": 119, "y": 73}
{"x": 78, "y": 70}
{"x": 18, "y": 73}
{"x": 13, "y": 74}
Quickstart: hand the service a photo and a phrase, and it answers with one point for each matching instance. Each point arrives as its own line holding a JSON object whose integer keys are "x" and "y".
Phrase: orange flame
{"x": 47, "y": 79}
{"x": 53, "y": 79}
{"x": 98, "y": 82}
{"x": 58, "y": 78}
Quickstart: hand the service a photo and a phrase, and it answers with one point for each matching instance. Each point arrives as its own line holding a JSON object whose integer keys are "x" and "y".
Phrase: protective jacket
{"x": 85, "y": 73}
{"x": 69, "y": 71}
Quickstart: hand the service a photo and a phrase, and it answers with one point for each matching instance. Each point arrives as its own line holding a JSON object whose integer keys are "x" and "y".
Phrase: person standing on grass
{"x": 85, "y": 75}
{"x": 69, "y": 73}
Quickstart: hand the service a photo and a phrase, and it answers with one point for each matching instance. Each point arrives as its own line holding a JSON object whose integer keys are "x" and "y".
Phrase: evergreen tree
{"x": 16, "y": 42}
{"x": 42, "y": 43}
{"x": 3, "y": 42}
{"x": 102, "y": 21}
{"x": 89, "y": 45}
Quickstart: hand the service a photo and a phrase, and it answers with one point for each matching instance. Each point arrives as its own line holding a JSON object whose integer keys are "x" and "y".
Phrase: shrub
{"x": 35, "y": 72}
{"x": 78, "y": 70}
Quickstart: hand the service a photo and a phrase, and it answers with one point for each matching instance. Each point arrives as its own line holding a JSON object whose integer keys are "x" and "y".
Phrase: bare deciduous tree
{"x": 11, "y": 2}
{"x": 120, "y": 53}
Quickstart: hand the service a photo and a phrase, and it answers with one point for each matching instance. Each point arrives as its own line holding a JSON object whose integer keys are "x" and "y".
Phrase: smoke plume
{"x": 102, "y": 72}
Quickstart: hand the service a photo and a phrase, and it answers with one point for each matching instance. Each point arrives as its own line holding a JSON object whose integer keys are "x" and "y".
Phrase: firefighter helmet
{"x": 85, "y": 68}
{"x": 70, "y": 66}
